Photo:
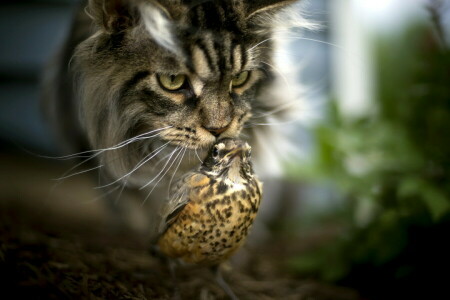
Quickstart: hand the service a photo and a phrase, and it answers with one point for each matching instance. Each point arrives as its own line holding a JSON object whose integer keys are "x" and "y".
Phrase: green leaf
{"x": 437, "y": 203}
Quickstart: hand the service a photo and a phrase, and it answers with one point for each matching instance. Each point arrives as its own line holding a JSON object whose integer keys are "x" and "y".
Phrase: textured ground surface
{"x": 54, "y": 246}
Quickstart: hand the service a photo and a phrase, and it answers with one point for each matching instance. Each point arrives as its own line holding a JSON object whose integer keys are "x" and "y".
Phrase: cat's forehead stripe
{"x": 237, "y": 58}
{"x": 218, "y": 23}
{"x": 209, "y": 14}
{"x": 202, "y": 62}
{"x": 217, "y": 57}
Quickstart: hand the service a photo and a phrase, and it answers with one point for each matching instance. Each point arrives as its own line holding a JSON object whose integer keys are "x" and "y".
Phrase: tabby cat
{"x": 148, "y": 85}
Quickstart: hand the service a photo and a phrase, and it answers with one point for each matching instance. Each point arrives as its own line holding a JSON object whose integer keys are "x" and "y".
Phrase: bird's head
{"x": 229, "y": 158}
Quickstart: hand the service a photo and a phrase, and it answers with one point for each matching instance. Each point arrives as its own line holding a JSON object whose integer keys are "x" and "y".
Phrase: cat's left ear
{"x": 113, "y": 15}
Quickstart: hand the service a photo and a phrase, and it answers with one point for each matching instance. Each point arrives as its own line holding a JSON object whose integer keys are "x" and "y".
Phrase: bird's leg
{"x": 155, "y": 252}
{"x": 223, "y": 284}
{"x": 172, "y": 268}
{"x": 171, "y": 265}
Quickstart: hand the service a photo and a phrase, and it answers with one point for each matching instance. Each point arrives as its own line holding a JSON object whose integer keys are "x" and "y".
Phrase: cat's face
{"x": 190, "y": 72}
{"x": 203, "y": 92}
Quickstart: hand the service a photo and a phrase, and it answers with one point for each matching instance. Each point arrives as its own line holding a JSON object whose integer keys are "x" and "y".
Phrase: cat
{"x": 145, "y": 87}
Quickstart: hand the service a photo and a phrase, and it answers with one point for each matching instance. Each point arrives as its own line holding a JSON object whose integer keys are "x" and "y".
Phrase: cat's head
{"x": 190, "y": 71}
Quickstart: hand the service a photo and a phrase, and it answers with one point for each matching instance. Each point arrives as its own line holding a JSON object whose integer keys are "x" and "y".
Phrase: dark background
{"x": 30, "y": 32}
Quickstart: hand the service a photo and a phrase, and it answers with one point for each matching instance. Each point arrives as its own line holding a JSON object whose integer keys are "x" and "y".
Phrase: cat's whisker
{"x": 258, "y": 44}
{"x": 288, "y": 105}
{"x": 115, "y": 147}
{"x": 270, "y": 124}
{"x": 78, "y": 173}
{"x": 286, "y": 81}
{"x": 351, "y": 54}
{"x": 175, "y": 172}
{"x": 162, "y": 170}
{"x": 124, "y": 184}
{"x": 132, "y": 140}
{"x": 105, "y": 194}
{"x": 281, "y": 108}
{"x": 282, "y": 52}
{"x": 196, "y": 153}
{"x": 179, "y": 154}
{"x": 163, "y": 159}
{"x": 97, "y": 152}
{"x": 288, "y": 122}
{"x": 142, "y": 136}
{"x": 299, "y": 37}
{"x": 66, "y": 174}
{"x": 294, "y": 37}
{"x": 162, "y": 176}
{"x": 90, "y": 153}
{"x": 142, "y": 162}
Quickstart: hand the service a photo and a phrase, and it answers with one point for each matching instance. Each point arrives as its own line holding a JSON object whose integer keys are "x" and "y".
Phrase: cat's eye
{"x": 172, "y": 82}
{"x": 240, "y": 79}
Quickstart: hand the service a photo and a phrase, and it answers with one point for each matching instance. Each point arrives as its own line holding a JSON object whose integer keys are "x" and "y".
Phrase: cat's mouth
{"x": 197, "y": 137}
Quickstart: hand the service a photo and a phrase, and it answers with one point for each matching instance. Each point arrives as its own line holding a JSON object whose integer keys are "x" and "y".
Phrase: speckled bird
{"x": 212, "y": 208}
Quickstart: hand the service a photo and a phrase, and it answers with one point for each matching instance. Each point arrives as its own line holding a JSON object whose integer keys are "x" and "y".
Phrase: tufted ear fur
{"x": 266, "y": 16}
{"x": 158, "y": 22}
{"x": 255, "y": 8}
{"x": 113, "y": 16}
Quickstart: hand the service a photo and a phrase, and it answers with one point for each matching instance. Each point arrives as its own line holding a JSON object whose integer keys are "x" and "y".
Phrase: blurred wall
{"x": 355, "y": 25}
{"x": 30, "y": 32}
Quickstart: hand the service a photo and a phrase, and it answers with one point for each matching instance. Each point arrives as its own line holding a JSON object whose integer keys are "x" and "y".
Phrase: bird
{"x": 212, "y": 209}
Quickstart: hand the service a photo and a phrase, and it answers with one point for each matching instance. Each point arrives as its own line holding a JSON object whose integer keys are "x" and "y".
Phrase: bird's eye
{"x": 215, "y": 152}
{"x": 172, "y": 82}
{"x": 240, "y": 79}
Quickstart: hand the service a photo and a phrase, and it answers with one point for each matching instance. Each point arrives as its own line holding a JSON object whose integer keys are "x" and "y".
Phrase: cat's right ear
{"x": 265, "y": 15}
{"x": 256, "y": 8}
{"x": 113, "y": 16}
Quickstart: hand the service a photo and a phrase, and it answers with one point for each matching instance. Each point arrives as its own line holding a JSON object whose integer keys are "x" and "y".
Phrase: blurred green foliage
{"x": 393, "y": 168}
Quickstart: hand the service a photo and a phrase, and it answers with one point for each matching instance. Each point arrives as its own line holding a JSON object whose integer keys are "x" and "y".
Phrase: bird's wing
{"x": 178, "y": 200}
{"x": 186, "y": 187}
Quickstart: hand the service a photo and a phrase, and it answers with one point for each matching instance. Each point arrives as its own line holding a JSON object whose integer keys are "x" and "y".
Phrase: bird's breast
{"x": 214, "y": 223}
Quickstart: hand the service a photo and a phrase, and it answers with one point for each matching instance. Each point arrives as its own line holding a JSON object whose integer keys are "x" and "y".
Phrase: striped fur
{"x": 115, "y": 69}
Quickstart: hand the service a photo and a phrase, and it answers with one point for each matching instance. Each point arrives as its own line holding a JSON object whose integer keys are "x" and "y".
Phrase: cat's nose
{"x": 217, "y": 131}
